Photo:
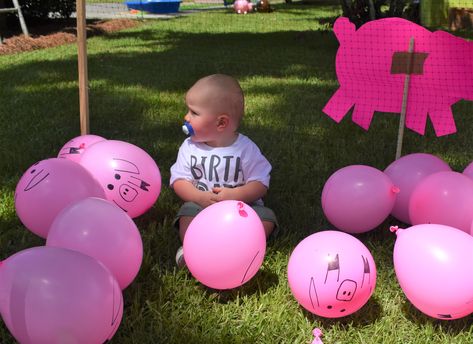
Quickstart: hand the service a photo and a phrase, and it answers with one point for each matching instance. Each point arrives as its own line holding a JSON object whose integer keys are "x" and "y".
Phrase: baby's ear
{"x": 223, "y": 121}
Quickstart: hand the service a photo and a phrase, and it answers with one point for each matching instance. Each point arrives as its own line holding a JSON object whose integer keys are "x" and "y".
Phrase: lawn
{"x": 285, "y": 63}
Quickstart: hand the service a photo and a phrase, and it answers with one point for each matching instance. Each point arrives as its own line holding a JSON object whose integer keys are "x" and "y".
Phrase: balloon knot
{"x": 394, "y": 229}
{"x": 242, "y": 211}
{"x": 317, "y": 332}
{"x": 395, "y": 189}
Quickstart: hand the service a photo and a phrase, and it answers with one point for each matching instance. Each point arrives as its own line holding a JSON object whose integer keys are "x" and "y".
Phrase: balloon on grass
{"x": 129, "y": 176}
{"x": 225, "y": 245}
{"x": 444, "y": 198}
{"x": 74, "y": 148}
{"x": 434, "y": 267}
{"x": 55, "y": 295}
{"x": 358, "y": 198}
{"x": 406, "y": 173}
{"x": 49, "y": 186}
{"x": 98, "y": 228}
{"x": 331, "y": 274}
{"x": 468, "y": 171}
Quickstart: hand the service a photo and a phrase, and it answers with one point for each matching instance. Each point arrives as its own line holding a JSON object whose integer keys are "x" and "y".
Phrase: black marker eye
{"x": 329, "y": 307}
{"x": 117, "y": 176}
{"x": 342, "y": 310}
{"x": 33, "y": 171}
{"x": 110, "y": 186}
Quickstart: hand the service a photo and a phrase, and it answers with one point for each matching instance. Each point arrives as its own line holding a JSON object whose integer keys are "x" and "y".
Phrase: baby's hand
{"x": 206, "y": 198}
{"x": 222, "y": 194}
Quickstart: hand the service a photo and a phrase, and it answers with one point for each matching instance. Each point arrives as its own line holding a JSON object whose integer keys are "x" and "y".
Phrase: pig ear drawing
{"x": 122, "y": 165}
{"x": 366, "y": 270}
{"x": 313, "y": 293}
{"x": 249, "y": 267}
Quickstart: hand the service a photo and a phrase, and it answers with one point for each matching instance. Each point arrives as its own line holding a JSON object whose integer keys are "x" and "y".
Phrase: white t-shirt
{"x": 208, "y": 167}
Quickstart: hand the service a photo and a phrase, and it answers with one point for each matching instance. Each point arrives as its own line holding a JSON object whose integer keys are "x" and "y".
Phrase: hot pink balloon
{"x": 331, "y": 274}
{"x": 358, "y": 198}
{"x": 49, "y": 186}
{"x": 74, "y": 148}
{"x": 225, "y": 245}
{"x": 98, "y": 228}
{"x": 444, "y": 198}
{"x": 468, "y": 171}
{"x": 406, "y": 172}
{"x": 55, "y": 295}
{"x": 130, "y": 177}
{"x": 434, "y": 267}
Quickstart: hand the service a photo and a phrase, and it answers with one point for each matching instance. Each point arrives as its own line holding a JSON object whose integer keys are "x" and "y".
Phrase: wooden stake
{"x": 402, "y": 120}
{"x": 82, "y": 67}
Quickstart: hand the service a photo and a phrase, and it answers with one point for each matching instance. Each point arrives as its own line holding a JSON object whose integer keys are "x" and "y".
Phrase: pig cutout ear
{"x": 122, "y": 165}
{"x": 344, "y": 29}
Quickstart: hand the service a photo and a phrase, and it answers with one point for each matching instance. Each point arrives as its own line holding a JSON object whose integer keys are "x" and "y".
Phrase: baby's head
{"x": 216, "y": 106}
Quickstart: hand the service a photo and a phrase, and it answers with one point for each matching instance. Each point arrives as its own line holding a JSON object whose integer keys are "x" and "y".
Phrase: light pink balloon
{"x": 358, "y": 198}
{"x": 54, "y": 295}
{"x": 49, "y": 186}
{"x": 130, "y": 177}
{"x": 406, "y": 172}
{"x": 468, "y": 171}
{"x": 444, "y": 198}
{"x": 434, "y": 267}
{"x": 331, "y": 274}
{"x": 98, "y": 228}
{"x": 74, "y": 148}
{"x": 225, "y": 245}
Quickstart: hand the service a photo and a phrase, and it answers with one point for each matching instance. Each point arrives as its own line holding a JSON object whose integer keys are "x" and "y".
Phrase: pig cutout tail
{"x": 344, "y": 30}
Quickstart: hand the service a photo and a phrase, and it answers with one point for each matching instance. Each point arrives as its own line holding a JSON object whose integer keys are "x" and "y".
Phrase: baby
{"x": 216, "y": 162}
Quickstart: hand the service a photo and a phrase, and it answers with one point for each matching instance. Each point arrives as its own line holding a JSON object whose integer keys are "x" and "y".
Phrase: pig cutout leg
{"x": 362, "y": 115}
{"x": 416, "y": 118}
{"x": 442, "y": 120}
{"x": 338, "y": 106}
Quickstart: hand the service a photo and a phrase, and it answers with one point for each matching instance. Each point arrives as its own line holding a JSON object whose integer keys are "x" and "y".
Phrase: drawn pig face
{"x": 130, "y": 177}
{"x": 336, "y": 297}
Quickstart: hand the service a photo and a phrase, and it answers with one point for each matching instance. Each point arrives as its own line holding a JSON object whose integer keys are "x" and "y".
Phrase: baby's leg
{"x": 268, "y": 228}
{"x": 184, "y": 222}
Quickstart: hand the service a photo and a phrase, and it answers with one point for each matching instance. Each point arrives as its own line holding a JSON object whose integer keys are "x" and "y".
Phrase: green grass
{"x": 285, "y": 63}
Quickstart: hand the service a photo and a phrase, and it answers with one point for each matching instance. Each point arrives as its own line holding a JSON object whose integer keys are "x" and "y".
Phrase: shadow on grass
{"x": 259, "y": 284}
{"x": 454, "y": 327}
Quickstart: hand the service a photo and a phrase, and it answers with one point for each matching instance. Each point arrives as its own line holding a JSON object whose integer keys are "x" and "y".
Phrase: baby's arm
{"x": 247, "y": 193}
{"x": 188, "y": 193}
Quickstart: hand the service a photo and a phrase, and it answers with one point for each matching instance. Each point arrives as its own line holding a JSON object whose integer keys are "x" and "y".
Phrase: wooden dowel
{"x": 82, "y": 67}
{"x": 402, "y": 120}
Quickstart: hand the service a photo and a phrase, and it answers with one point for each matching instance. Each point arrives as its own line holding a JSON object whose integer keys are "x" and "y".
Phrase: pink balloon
{"x": 406, "y": 172}
{"x": 54, "y": 295}
{"x": 225, "y": 245}
{"x": 444, "y": 198}
{"x": 468, "y": 171}
{"x": 242, "y": 6}
{"x": 130, "y": 177}
{"x": 434, "y": 267}
{"x": 49, "y": 186}
{"x": 358, "y": 198}
{"x": 98, "y": 228}
{"x": 331, "y": 274}
{"x": 74, "y": 148}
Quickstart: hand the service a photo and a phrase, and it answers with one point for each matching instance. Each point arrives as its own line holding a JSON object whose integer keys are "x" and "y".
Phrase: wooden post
{"x": 402, "y": 120}
{"x": 82, "y": 68}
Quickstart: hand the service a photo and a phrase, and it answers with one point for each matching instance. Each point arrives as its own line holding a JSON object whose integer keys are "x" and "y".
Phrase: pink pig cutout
{"x": 363, "y": 66}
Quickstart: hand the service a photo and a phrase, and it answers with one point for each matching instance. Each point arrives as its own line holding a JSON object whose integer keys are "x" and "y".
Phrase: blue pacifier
{"x": 187, "y": 129}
